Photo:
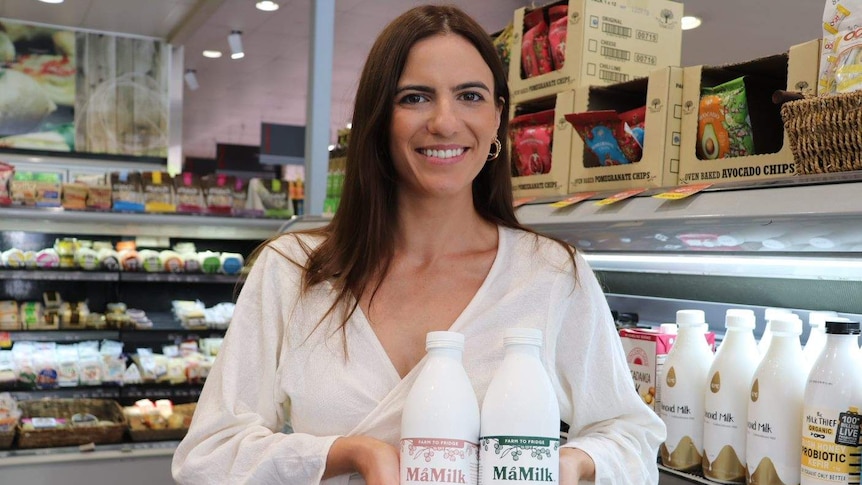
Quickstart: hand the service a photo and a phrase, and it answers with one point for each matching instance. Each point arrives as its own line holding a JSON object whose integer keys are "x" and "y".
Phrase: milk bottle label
{"x": 519, "y": 459}
{"x": 830, "y": 446}
{"x": 437, "y": 460}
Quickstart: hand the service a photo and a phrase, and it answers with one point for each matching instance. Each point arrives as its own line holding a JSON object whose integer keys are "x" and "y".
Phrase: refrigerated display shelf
{"x": 113, "y": 276}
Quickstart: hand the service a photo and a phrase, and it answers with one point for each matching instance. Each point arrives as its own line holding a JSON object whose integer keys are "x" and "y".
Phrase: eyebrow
{"x": 428, "y": 89}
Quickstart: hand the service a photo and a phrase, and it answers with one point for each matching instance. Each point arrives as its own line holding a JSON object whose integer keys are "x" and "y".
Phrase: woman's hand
{"x": 376, "y": 461}
{"x": 575, "y": 465}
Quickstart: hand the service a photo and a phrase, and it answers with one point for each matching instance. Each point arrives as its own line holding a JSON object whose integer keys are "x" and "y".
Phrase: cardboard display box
{"x": 796, "y": 71}
{"x": 646, "y": 351}
{"x": 556, "y": 181}
{"x": 606, "y": 42}
{"x": 659, "y": 165}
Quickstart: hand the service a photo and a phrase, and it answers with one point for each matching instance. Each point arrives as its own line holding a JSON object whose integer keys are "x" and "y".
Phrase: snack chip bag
{"x": 535, "y": 48}
{"x": 557, "y": 36}
{"x": 601, "y": 131}
{"x": 532, "y": 135}
{"x": 841, "y": 49}
{"x": 723, "y": 125}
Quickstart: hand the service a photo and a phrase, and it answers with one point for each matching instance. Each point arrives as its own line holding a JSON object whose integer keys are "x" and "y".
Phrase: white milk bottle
{"x": 520, "y": 433}
{"x": 681, "y": 392}
{"x": 440, "y": 421}
{"x": 726, "y": 399}
{"x": 816, "y": 336}
{"x": 773, "y": 443}
{"x": 830, "y": 426}
{"x": 766, "y": 337}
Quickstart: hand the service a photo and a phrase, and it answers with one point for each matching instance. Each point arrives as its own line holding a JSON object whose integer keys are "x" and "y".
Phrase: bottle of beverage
{"x": 685, "y": 372}
{"x": 440, "y": 421}
{"x": 831, "y": 425}
{"x": 773, "y": 444}
{"x": 726, "y": 400}
{"x": 520, "y": 431}
{"x": 816, "y": 336}
{"x": 766, "y": 337}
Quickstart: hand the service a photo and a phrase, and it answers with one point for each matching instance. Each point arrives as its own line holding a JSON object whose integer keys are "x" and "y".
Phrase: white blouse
{"x": 275, "y": 352}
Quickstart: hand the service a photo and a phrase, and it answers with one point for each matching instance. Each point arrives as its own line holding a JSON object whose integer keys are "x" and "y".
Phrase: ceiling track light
{"x": 235, "y": 42}
{"x": 191, "y": 79}
{"x": 267, "y": 5}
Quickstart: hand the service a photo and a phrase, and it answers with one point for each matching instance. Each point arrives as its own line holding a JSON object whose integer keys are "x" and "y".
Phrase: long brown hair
{"x": 358, "y": 244}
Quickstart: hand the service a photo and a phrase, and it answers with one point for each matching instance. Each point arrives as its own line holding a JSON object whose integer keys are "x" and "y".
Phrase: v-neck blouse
{"x": 280, "y": 363}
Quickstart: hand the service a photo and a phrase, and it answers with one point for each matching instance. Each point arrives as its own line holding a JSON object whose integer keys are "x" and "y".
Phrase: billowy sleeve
{"x": 235, "y": 435}
{"x": 607, "y": 418}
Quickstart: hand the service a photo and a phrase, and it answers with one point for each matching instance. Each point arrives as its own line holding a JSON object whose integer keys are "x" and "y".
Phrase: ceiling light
{"x": 235, "y": 41}
{"x": 51, "y": 1}
{"x": 191, "y": 79}
{"x": 690, "y": 22}
{"x": 267, "y": 6}
{"x": 212, "y": 54}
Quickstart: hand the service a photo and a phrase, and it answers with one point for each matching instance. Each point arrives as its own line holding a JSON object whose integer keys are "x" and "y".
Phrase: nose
{"x": 444, "y": 120}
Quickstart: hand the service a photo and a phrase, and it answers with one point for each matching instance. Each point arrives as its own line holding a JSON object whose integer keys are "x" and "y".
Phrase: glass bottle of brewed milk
{"x": 766, "y": 337}
{"x": 816, "y": 336}
{"x": 831, "y": 420}
{"x": 520, "y": 433}
{"x": 726, "y": 399}
{"x": 772, "y": 447}
{"x": 681, "y": 386}
{"x": 440, "y": 421}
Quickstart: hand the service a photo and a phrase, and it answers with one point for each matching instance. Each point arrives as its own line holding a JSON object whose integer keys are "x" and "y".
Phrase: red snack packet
{"x": 632, "y": 140}
{"x": 557, "y": 34}
{"x": 532, "y": 137}
{"x": 535, "y": 49}
{"x": 600, "y": 131}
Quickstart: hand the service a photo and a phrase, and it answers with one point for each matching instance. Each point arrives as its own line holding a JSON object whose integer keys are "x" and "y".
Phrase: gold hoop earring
{"x": 496, "y": 153}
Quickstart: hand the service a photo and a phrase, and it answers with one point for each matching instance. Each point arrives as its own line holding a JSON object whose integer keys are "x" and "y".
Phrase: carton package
{"x": 603, "y": 43}
{"x": 219, "y": 193}
{"x": 159, "y": 194}
{"x": 271, "y": 197}
{"x": 189, "y": 193}
{"x": 658, "y": 166}
{"x": 555, "y": 180}
{"x": 126, "y": 192}
{"x": 98, "y": 191}
{"x": 646, "y": 350}
{"x": 771, "y": 156}
{"x": 6, "y": 172}
{"x": 40, "y": 189}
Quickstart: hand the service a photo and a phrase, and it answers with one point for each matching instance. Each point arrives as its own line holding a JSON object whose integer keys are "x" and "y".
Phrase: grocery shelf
{"x": 178, "y": 278}
{"x": 59, "y": 221}
{"x": 57, "y": 275}
{"x": 788, "y": 216}
{"x": 74, "y": 453}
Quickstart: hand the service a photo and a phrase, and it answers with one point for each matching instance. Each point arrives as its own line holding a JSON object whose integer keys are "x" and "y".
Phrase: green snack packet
{"x": 724, "y": 127}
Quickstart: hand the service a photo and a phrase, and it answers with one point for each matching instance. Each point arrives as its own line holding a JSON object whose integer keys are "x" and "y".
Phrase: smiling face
{"x": 444, "y": 119}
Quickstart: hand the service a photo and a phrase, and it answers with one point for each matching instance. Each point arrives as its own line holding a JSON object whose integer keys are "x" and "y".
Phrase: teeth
{"x": 443, "y": 153}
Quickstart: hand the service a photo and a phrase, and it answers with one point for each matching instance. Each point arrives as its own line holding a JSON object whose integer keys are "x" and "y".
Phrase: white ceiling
{"x": 270, "y": 83}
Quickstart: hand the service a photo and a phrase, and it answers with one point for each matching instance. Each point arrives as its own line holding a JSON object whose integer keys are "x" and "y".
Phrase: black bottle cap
{"x": 842, "y": 328}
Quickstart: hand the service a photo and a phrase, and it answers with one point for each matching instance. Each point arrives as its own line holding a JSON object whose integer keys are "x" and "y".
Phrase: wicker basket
{"x": 103, "y": 409}
{"x": 825, "y": 133}
{"x": 186, "y": 410}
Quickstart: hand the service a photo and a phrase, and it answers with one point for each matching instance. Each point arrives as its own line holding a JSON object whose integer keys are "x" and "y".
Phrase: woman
{"x": 334, "y": 321}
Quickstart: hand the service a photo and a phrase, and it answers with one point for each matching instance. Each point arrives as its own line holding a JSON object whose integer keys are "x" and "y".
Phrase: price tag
{"x": 523, "y": 200}
{"x": 5, "y": 340}
{"x": 682, "y": 191}
{"x": 620, "y": 196}
{"x": 574, "y": 199}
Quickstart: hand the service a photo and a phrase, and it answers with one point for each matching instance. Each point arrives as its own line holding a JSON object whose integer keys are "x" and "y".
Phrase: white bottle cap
{"x": 452, "y": 340}
{"x": 668, "y": 328}
{"x": 690, "y": 318}
{"x": 771, "y": 313}
{"x": 818, "y": 319}
{"x": 787, "y": 323}
{"x": 531, "y": 336}
{"x": 739, "y": 318}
